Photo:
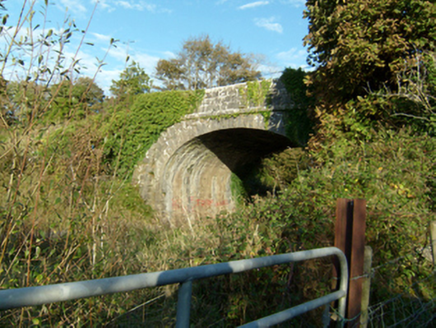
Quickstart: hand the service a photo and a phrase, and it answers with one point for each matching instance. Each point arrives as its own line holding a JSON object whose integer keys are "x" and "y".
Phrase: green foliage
{"x": 414, "y": 102}
{"x": 361, "y": 47}
{"x": 255, "y": 94}
{"x": 238, "y": 191}
{"x": 130, "y": 133}
{"x": 257, "y": 180}
{"x": 266, "y": 114}
{"x": 202, "y": 64}
{"x": 133, "y": 81}
{"x": 293, "y": 80}
{"x": 87, "y": 92}
{"x": 268, "y": 175}
{"x": 19, "y": 101}
{"x": 281, "y": 169}
{"x": 73, "y": 100}
{"x": 299, "y": 125}
{"x": 393, "y": 170}
{"x": 57, "y": 224}
{"x": 373, "y": 92}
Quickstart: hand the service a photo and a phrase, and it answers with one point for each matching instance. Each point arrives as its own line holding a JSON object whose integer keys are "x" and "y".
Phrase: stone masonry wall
{"x": 228, "y": 100}
{"x": 181, "y": 177}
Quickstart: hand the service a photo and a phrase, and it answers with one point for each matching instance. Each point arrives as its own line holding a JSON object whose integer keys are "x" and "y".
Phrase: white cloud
{"x": 149, "y": 7}
{"x": 291, "y": 54}
{"x": 269, "y": 24}
{"x": 78, "y": 6}
{"x": 135, "y": 6}
{"x": 101, "y": 37}
{"x": 105, "y": 77}
{"x": 254, "y": 4}
{"x": 74, "y": 5}
{"x": 169, "y": 54}
{"x": 270, "y": 71}
{"x": 146, "y": 61}
{"x": 111, "y": 5}
{"x": 104, "y": 4}
{"x": 296, "y": 3}
{"x": 119, "y": 53}
{"x": 294, "y": 57}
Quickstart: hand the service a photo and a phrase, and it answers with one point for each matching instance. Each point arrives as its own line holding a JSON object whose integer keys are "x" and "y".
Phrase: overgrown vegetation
{"x": 133, "y": 130}
{"x": 68, "y": 211}
{"x": 255, "y": 93}
{"x": 300, "y": 122}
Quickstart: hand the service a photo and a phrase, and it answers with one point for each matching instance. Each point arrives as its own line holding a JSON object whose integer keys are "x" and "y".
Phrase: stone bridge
{"x": 186, "y": 174}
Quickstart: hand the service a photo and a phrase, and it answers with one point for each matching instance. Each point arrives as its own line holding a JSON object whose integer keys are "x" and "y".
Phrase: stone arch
{"x": 187, "y": 172}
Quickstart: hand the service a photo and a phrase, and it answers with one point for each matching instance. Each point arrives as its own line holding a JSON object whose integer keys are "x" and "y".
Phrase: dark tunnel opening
{"x": 242, "y": 151}
{"x": 237, "y": 148}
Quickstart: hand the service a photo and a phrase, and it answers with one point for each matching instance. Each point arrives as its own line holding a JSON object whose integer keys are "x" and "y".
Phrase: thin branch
{"x": 412, "y": 116}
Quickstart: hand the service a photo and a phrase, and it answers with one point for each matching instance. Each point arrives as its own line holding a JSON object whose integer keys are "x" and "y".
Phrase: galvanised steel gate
{"x": 32, "y": 296}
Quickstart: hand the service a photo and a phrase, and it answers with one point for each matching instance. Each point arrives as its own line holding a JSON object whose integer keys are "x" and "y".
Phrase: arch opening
{"x": 197, "y": 178}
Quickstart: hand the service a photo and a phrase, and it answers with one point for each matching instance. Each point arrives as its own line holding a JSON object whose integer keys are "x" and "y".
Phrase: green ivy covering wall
{"x": 131, "y": 132}
{"x": 255, "y": 94}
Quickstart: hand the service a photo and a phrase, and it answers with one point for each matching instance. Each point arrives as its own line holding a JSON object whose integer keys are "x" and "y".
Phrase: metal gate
{"x": 32, "y": 296}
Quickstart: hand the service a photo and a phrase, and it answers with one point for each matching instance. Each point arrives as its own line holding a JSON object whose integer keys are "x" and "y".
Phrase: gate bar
{"x": 33, "y": 296}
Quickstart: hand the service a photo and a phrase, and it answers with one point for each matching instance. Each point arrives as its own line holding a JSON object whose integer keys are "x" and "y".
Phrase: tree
{"x": 202, "y": 64}
{"x": 133, "y": 81}
{"x": 362, "y": 46}
{"x": 299, "y": 125}
{"x": 88, "y": 93}
{"x": 22, "y": 101}
{"x": 74, "y": 99}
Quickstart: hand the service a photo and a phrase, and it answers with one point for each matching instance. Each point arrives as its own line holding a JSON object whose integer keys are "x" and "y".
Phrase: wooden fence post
{"x": 350, "y": 238}
{"x": 366, "y": 287}
{"x": 433, "y": 240}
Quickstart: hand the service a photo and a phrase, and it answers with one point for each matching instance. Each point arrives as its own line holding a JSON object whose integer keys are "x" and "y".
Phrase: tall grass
{"x": 61, "y": 217}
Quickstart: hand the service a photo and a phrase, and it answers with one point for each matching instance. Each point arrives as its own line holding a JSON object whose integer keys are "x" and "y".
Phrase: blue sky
{"x": 149, "y": 30}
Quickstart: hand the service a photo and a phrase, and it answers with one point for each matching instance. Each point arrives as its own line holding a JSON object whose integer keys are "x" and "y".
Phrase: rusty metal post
{"x": 350, "y": 238}
{"x": 357, "y": 262}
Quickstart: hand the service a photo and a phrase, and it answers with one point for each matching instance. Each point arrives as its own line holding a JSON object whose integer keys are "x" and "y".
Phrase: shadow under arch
{"x": 196, "y": 180}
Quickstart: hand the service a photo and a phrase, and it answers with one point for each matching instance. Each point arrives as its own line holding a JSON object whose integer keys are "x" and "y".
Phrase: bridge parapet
{"x": 233, "y": 99}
